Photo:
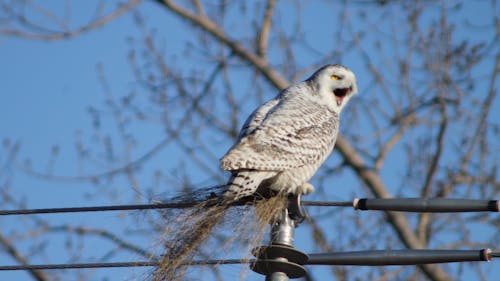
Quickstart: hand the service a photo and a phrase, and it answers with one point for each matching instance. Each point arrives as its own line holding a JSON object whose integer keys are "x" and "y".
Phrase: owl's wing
{"x": 257, "y": 117}
{"x": 290, "y": 136}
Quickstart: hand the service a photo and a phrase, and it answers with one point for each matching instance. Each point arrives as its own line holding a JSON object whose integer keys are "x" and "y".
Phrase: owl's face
{"x": 336, "y": 85}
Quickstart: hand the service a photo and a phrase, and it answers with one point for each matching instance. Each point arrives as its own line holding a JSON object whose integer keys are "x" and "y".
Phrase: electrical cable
{"x": 137, "y": 207}
{"x": 363, "y": 258}
{"x": 113, "y": 264}
{"x": 435, "y": 205}
{"x": 327, "y": 204}
{"x": 97, "y": 208}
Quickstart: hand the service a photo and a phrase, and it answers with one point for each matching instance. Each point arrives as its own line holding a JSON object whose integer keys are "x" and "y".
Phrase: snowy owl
{"x": 285, "y": 140}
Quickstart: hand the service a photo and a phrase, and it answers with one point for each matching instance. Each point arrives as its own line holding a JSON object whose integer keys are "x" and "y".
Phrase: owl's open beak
{"x": 340, "y": 94}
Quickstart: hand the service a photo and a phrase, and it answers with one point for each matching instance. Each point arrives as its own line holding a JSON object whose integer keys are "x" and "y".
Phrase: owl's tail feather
{"x": 245, "y": 183}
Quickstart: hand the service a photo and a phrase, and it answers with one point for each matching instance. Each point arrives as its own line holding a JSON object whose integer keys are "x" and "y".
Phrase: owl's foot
{"x": 305, "y": 189}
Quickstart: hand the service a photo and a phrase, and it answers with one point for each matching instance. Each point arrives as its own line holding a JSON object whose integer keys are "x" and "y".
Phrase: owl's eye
{"x": 335, "y": 77}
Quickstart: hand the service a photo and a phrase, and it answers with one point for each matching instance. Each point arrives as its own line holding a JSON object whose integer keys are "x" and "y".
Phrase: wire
{"x": 138, "y": 207}
{"x": 97, "y": 208}
{"x": 327, "y": 204}
{"x": 402, "y": 257}
{"x": 76, "y": 265}
{"x": 114, "y": 264}
{"x": 388, "y": 204}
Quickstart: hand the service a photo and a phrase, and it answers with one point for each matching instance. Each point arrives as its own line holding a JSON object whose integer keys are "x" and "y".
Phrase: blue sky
{"x": 47, "y": 87}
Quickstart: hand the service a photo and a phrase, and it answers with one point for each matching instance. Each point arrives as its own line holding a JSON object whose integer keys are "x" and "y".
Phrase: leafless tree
{"x": 424, "y": 124}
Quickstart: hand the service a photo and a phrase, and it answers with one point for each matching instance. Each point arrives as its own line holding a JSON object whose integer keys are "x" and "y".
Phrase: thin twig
{"x": 72, "y": 33}
{"x": 265, "y": 30}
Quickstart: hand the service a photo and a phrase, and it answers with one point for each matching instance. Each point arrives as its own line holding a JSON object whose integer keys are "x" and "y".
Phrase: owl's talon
{"x": 305, "y": 189}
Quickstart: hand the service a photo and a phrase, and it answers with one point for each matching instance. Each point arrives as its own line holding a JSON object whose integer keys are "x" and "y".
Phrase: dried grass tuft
{"x": 188, "y": 229}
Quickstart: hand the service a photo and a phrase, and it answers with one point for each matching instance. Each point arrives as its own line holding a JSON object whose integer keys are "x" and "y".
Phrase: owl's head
{"x": 335, "y": 84}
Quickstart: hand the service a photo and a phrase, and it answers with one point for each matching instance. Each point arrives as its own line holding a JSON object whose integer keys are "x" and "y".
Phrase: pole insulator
{"x": 280, "y": 260}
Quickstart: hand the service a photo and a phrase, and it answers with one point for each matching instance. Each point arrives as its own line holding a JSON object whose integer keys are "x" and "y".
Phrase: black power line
{"x": 138, "y": 207}
{"x": 77, "y": 265}
{"x": 361, "y": 258}
{"x": 389, "y": 204}
{"x": 328, "y": 203}
{"x": 97, "y": 208}
{"x": 113, "y": 264}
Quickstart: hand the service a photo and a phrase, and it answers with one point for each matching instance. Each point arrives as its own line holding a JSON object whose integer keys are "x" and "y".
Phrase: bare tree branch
{"x": 14, "y": 253}
{"x": 397, "y": 220}
{"x": 54, "y": 35}
{"x": 263, "y": 35}
{"x": 209, "y": 26}
{"x": 119, "y": 242}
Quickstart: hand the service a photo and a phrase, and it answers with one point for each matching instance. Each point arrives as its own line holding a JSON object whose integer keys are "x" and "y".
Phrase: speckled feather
{"x": 285, "y": 140}
{"x": 295, "y": 135}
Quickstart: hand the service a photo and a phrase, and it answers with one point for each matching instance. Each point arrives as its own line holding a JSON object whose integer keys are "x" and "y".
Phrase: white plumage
{"x": 285, "y": 140}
